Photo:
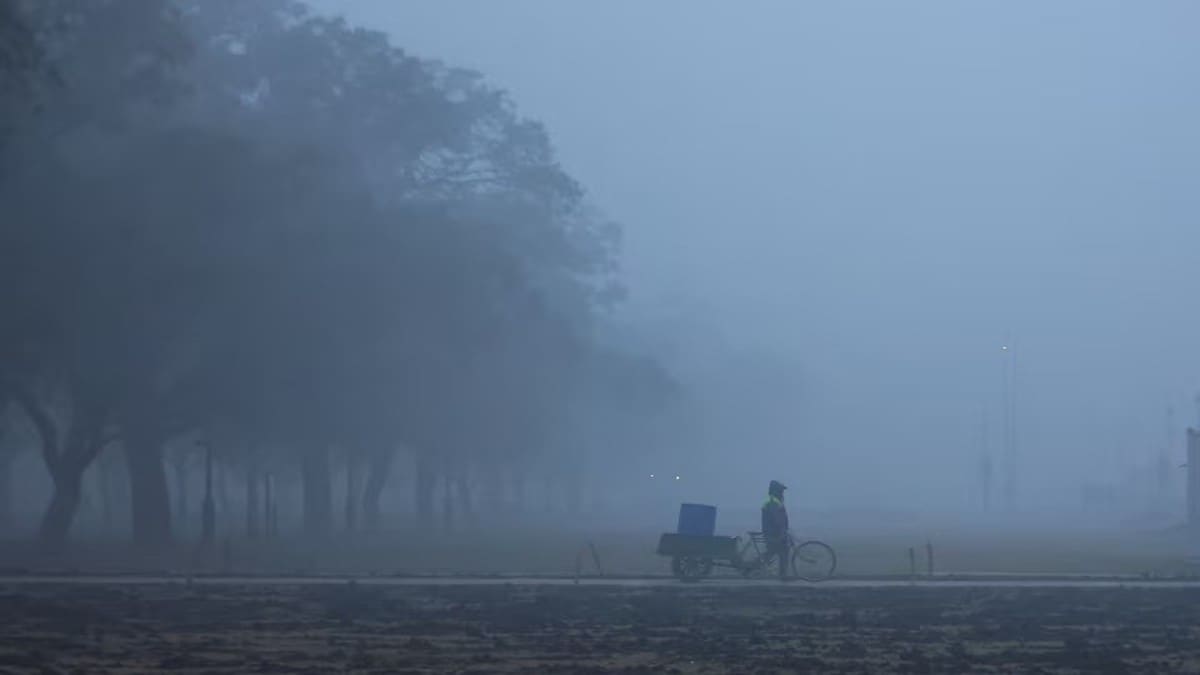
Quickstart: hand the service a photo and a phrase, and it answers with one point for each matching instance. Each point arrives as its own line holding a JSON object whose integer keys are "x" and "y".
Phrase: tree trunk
{"x": 463, "y": 492}
{"x": 56, "y": 522}
{"x": 518, "y": 492}
{"x": 151, "y": 503}
{"x": 104, "y": 488}
{"x": 7, "y": 456}
{"x": 67, "y": 473}
{"x": 7, "y": 459}
{"x": 269, "y": 501}
{"x": 318, "y": 493}
{"x": 352, "y": 493}
{"x": 222, "y": 497}
{"x": 66, "y": 462}
{"x": 208, "y": 512}
{"x": 425, "y": 487}
{"x": 377, "y": 475}
{"x": 251, "y": 503}
{"x": 180, "y": 471}
{"x": 273, "y": 509}
{"x": 448, "y": 502}
{"x": 493, "y": 484}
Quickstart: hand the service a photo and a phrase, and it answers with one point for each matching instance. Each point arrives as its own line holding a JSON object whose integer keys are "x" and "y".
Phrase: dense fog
{"x": 271, "y": 268}
{"x": 867, "y": 200}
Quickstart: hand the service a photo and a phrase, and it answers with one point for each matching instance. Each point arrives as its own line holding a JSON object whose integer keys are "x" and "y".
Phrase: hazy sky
{"x": 878, "y": 192}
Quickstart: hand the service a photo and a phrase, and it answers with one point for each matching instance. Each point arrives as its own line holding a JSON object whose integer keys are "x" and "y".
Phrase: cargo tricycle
{"x": 694, "y": 556}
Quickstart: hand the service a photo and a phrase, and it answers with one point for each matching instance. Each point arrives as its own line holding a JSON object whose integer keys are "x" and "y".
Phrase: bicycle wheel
{"x": 690, "y": 568}
{"x": 813, "y": 561}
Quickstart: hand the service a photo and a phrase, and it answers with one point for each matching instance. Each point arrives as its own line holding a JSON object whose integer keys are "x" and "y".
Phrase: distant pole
{"x": 1009, "y": 429}
{"x": 1014, "y": 436}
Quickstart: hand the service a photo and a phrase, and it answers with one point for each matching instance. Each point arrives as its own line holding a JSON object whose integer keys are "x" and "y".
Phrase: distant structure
{"x": 1009, "y": 428}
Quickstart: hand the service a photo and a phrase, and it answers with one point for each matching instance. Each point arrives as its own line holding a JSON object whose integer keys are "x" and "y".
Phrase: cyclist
{"x": 775, "y": 525}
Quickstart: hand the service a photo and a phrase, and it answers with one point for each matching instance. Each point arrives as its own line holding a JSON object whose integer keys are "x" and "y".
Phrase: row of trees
{"x": 285, "y": 238}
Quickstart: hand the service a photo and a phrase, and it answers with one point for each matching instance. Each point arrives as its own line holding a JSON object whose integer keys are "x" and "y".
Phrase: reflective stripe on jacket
{"x": 774, "y": 518}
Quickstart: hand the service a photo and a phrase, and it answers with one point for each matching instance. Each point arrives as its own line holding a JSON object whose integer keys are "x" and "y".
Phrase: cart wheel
{"x": 813, "y": 561}
{"x": 691, "y": 569}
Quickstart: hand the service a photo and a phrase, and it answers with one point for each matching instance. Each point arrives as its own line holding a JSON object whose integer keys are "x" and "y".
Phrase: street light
{"x": 1009, "y": 430}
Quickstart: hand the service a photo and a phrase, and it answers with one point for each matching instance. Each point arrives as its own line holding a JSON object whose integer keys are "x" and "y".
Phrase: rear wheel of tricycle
{"x": 690, "y": 568}
{"x": 813, "y": 561}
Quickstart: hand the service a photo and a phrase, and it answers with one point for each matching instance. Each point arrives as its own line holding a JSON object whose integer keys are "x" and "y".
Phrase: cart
{"x": 694, "y": 556}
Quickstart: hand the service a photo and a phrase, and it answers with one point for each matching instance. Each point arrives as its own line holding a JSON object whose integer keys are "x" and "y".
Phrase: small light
{"x": 1004, "y": 348}
{"x": 676, "y": 477}
{"x": 652, "y": 475}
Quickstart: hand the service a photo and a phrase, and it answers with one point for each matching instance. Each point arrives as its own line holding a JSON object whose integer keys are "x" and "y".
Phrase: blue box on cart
{"x": 698, "y": 520}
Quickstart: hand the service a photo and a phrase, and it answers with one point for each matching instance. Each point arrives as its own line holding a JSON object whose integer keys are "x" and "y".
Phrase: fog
{"x": 599, "y": 335}
{"x": 869, "y": 197}
{"x": 302, "y": 268}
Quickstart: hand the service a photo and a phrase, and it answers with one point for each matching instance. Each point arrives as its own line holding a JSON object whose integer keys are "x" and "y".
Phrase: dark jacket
{"x": 774, "y": 519}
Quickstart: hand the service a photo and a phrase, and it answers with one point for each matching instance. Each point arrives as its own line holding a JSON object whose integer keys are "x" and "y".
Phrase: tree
{"x": 292, "y": 230}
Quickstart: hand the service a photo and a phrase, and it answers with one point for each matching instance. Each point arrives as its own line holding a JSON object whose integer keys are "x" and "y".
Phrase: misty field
{"x": 757, "y": 627}
{"x": 554, "y": 551}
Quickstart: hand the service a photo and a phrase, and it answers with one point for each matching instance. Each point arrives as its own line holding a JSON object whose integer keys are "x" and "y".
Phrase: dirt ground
{"x": 755, "y": 628}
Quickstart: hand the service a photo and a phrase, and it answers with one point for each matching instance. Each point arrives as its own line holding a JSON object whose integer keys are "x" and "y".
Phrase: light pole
{"x": 1009, "y": 428}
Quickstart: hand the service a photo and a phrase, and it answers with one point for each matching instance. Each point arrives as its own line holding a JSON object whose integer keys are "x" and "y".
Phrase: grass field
{"x": 548, "y": 551}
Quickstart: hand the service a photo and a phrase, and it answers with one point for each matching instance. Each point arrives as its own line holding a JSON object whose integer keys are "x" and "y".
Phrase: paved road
{"x": 957, "y": 582}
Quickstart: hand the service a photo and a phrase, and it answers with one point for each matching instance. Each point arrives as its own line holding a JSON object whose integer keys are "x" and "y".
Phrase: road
{"x": 958, "y": 581}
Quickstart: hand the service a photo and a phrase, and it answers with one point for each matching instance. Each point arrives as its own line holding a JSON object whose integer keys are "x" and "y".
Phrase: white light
{"x": 676, "y": 477}
{"x": 1004, "y": 348}
{"x": 652, "y": 475}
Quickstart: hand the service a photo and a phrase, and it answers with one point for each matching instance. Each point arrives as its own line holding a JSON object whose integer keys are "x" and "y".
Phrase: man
{"x": 775, "y": 526}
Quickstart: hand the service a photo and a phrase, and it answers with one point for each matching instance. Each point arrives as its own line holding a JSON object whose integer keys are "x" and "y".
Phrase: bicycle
{"x": 694, "y": 557}
{"x": 810, "y": 560}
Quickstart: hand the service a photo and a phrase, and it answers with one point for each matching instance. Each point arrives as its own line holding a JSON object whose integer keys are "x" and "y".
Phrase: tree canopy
{"x": 244, "y": 214}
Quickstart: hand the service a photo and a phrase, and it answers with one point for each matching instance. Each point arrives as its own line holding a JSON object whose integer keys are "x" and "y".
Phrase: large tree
{"x": 239, "y": 214}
